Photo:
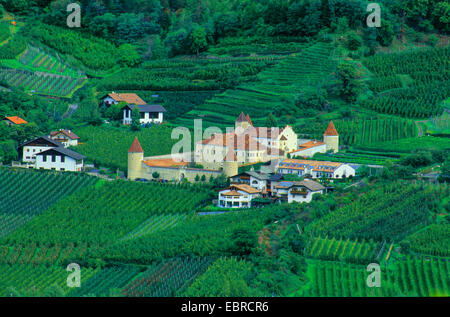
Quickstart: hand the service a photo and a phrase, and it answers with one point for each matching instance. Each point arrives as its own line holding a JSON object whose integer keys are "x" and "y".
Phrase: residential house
{"x": 128, "y": 98}
{"x": 31, "y": 148}
{"x": 14, "y": 121}
{"x": 237, "y": 196}
{"x": 148, "y": 114}
{"x": 316, "y": 169}
{"x": 59, "y": 159}
{"x": 302, "y": 191}
{"x": 65, "y": 137}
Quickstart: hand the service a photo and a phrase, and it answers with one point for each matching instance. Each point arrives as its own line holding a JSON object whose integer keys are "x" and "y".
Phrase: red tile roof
{"x": 129, "y": 98}
{"x": 164, "y": 163}
{"x": 136, "y": 147}
{"x": 68, "y": 134}
{"x": 308, "y": 145}
{"x": 17, "y": 120}
{"x": 331, "y": 130}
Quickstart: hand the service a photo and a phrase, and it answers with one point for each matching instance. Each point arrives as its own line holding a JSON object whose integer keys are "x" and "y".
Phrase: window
{"x": 53, "y": 158}
{"x": 63, "y": 169}
{"x": 53, "y": 169}
{"x": 63, "y": 158}
{"x": 44, "y": 158}
{"x": 142, "y": 115}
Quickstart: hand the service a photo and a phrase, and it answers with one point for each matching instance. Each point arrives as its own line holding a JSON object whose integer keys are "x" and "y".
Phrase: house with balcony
{"x": 237, "y": 196}
{"x": 149, "y": 114}
{"x": 300, "y": 192}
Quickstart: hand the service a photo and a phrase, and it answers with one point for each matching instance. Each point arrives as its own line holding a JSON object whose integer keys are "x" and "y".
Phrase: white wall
{"x": 29, "y": 152}
{"x": 243, "y": 201}
{"x": 68, "y": 165}
{"x": 301, "y": 198}
{"x": 311, "y": 151}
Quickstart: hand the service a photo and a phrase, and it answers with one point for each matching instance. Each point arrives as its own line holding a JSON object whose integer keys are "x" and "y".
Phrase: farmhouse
{"x": 46, "y": 153}
{"x": 316, "y": 169}
{"x": 302, "y": 191}
{"x": 14, "y": 121}
{"x": 60, "y": 159}
{"x": 128, "y": 98}
{"x": 65, "y": 137}
{"x": 38, "y": 145}
{"x": 238, "y": 196}
{"x": 149, "y": 114}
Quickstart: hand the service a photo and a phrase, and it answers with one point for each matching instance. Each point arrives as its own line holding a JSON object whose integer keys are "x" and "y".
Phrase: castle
{"x": 223, "y": 153}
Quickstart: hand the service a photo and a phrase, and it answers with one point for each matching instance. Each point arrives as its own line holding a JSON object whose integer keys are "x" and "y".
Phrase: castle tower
{"x": 242, "y": 123}
{"x": 331, "y": 138}
{"x": 230, "y": 163}
{"x": 135, "y": 158}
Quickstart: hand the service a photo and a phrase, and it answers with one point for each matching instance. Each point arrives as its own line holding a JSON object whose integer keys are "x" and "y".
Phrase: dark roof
{"x": 258, "y": 175}
{"x": 275, "y": 177}
{"x": 65, "y": 152}
{"x": 148, "y": 108}
{"x": 46, "y": 138}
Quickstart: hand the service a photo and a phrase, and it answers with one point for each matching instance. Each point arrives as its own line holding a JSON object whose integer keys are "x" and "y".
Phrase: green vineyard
{"x": 425, "y": 83}
{"x": 21, "y": 194}
{"x": 344, "y": 250}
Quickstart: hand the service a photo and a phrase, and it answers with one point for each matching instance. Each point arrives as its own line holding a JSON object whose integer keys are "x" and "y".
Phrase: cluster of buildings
{"x": 149, "y": 113}
{"x": 52, "y": 152}
{"x": 225, "y": 153}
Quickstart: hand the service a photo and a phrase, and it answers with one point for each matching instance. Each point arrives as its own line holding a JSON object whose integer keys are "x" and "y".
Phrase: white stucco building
{"x": 31, "y": 148}
{"x": 148, "y": 114}
{"x": 59, "y": 159}
{"x": 316, "y": 169}
{"x": 237, "y": 196}
{"x": 65, "y": 137}
{"x": 300, "y": 192}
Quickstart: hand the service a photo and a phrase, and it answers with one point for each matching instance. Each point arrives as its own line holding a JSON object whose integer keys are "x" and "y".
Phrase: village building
{"x": 65, "y": 137}
{"x": 128, "y": 98}
{"x": 149, "y": 114}
{"x": 168, "y": 168}
{"x": 307, "y": 148}
{"x": 237, "y": 196}
{"x": 250, "y": 144}
{"x": 60, "y": 159}
{"x": 31, "y": 148}
{"x": 10, "y": 121}
{"x": 300, "y": 192}
{"x": 315, "y": 169}
{"x": 47, "y": 153}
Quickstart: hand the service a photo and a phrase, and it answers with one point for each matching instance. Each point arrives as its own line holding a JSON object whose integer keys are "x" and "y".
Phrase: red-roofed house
{"x": 65, "y": 137}
{"x": 14, "y": 120}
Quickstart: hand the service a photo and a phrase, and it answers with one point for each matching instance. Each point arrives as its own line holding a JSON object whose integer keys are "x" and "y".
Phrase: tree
{"x": 349, "y": 86}
{"x": 198, "y": 40}
{"x": 203, "y": 178}
{"x": 243, "y": 241}
{"x": 445, "y": 171}
{"x": 354, "y": 41}
{"x": 385, "y": 33}
{"x": 155, "y": 175}
{"x": 136, "y": 119}
{"x": 271, "y": 121}
{"x": 197, "y": 178}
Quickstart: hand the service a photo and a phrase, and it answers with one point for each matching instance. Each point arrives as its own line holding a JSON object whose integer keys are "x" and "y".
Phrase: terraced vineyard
{"x": 274, "y": 91}
{"x": 41, "y": 83}
{"x": 346, "y": 250}
{"x": 156, "y": 223}
{"x": 101, "y": 284}
{"x": 21, "y": 194}
{"x": 425, "y": 82}
{"x": 37, "y": 71}
{"x": 40, "y": 280}
{"x": 167, "y": 278}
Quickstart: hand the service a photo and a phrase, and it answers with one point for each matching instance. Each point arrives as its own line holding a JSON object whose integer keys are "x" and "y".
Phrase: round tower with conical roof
{"x": 230, "y": 163}
{"x": 135, "y": 158}
{"x": 331, "y": 138}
